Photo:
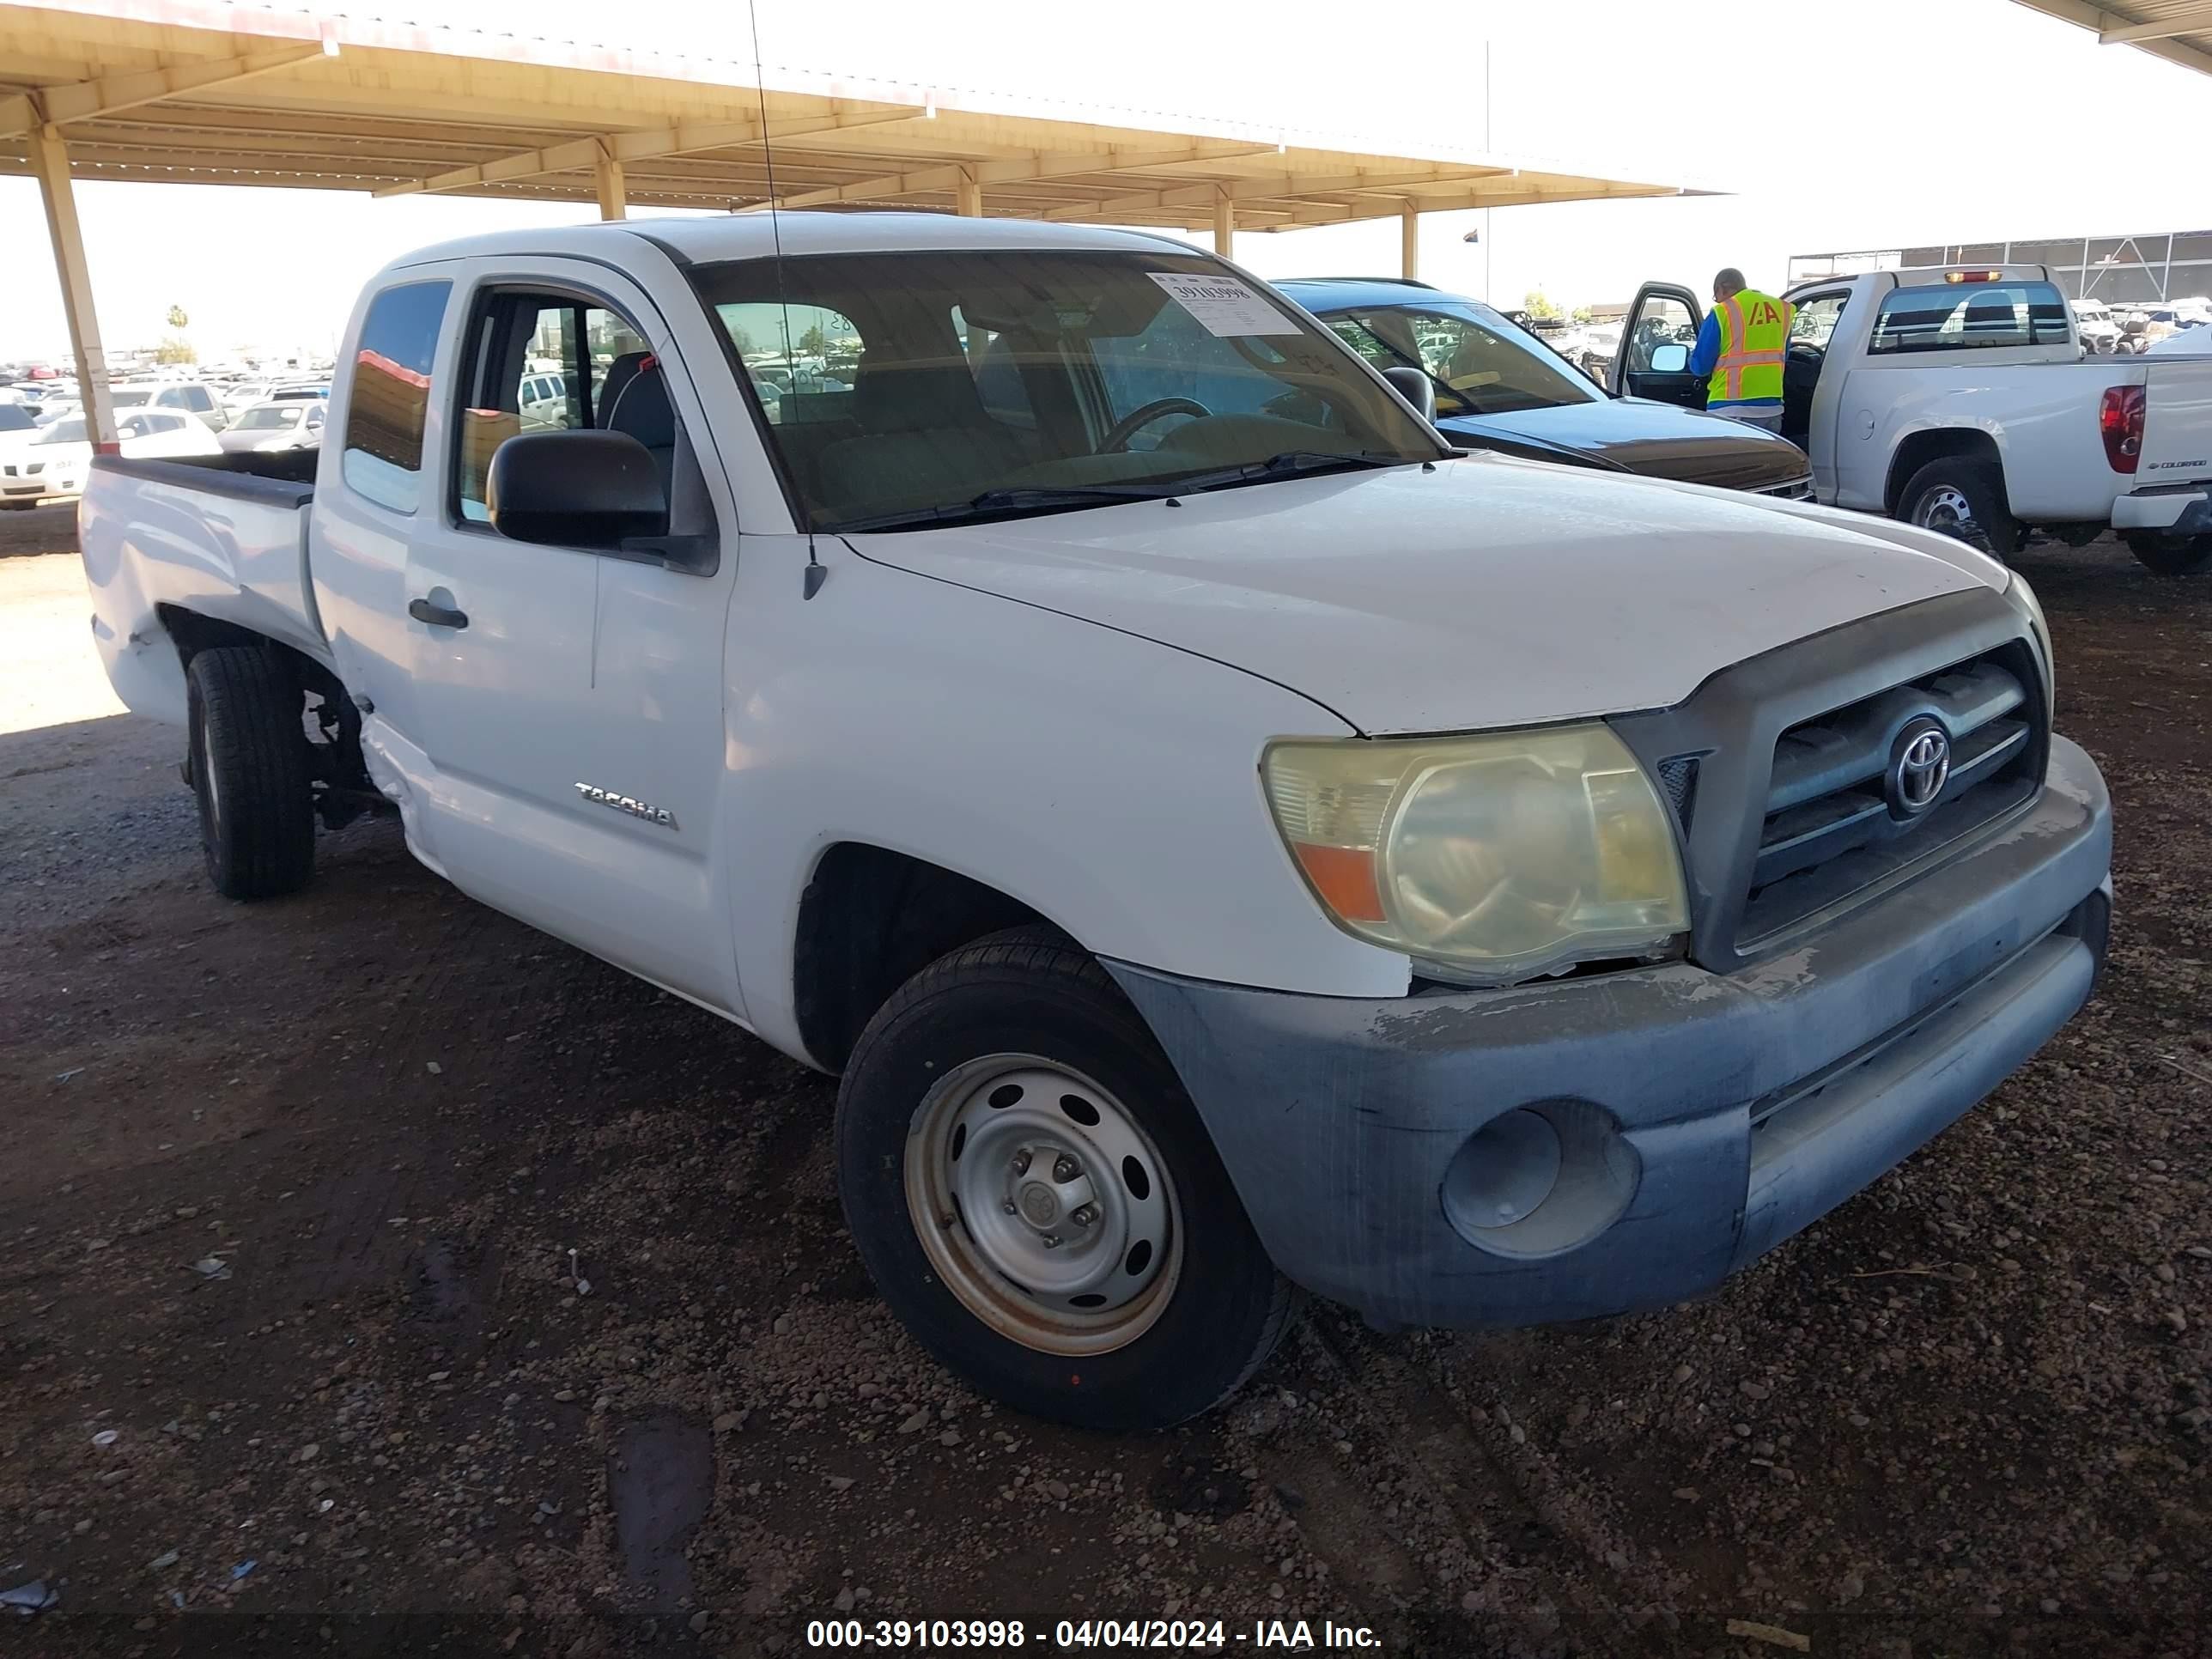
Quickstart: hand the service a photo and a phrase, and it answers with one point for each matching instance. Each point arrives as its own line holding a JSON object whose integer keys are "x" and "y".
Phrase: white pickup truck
{"x": 1958, "y": 399}
{"x": 1227, "y": 841}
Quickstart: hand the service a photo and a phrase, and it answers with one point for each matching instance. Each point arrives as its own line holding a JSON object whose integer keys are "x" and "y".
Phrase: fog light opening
{"x": 1541, "y": 1178}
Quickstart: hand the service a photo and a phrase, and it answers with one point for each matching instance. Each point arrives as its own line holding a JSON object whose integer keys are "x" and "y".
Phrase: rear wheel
{"x": 1037, "y": 1199}
{"x": 1960, "y": 496}
{"x": 249, "y": 767}
{"x": 2170, "y": 556}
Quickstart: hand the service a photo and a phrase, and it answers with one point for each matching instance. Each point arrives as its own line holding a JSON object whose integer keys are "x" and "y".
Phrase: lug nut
{"x": 1010, "y": 1209}
{"x": 1022, "y": 1162}
{"x": 1064, "y": 1169}
{"x": 1052, "y": 1241}
{"x": 1083, "y": 1216}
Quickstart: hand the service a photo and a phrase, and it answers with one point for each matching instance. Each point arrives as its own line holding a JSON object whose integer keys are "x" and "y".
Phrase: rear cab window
{"x": 1968, "y": 317}
{"x": 390, "y": 399}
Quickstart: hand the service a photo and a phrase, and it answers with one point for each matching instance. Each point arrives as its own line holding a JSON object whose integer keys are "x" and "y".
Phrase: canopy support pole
{"x": 613, "y": 193}
{"x": 969, "y": 193}
{"x": 1225, "y": 224}
{"x": 50, "y": 160}
{"x": 1409, "y": 240}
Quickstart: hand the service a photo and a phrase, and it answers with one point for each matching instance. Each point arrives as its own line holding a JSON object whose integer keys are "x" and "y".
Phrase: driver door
{"x": 1656, "y": 338}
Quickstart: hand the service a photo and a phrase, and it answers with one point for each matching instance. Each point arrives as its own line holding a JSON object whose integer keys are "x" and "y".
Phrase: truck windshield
{"x": 914, "y": 389}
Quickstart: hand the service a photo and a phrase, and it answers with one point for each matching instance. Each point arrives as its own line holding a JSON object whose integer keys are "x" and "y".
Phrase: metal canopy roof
{"x": 200, "y": 92}
{"x": 2179, "y": 31}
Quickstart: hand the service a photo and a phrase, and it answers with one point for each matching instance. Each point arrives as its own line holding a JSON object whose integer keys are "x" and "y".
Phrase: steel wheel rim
{"x": 999, "y": 1158}
{"x": 1946, "y": 510}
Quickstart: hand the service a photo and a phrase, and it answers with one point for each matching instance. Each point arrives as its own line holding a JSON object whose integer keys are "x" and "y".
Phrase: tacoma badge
{"x": 636, "y": 808}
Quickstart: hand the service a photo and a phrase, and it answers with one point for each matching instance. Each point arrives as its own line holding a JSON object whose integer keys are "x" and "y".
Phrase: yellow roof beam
{"x": 2196, "y": 18}
{"x": 684, "y": 137}
{"x": 1285, "y": 185}
{"x": 928, "y": 180}
{"x": 86, "y": 100}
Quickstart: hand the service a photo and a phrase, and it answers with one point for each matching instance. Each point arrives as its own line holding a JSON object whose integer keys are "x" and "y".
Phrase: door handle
{"x": 438, "y": 616}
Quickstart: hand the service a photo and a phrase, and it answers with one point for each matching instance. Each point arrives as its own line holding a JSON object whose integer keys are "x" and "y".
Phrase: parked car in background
{"x": 19, "y": 425}
{"x": 1957, "y": 399}
{"x": 289, "y": 391}
{"x": 1499, "y": 387}
{"x": 1225, "y": 839}
{"x": 2092, "y": 319}
{"x": 297, "y": 424}
{"x": 193, "y": 397}
{"x": 55, "y": 466}
{"x": 544, "y": 400}
{"x": 2185, "y": 342}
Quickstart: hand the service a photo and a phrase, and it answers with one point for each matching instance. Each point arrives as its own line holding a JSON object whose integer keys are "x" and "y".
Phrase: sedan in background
{"x": 54, "y": 466}
{"x": 297, "y": 424}
{"x": 1499, "y": 388}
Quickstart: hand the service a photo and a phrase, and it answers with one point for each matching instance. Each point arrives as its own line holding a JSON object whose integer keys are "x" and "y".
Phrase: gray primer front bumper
{"x": 1853, "y": 1046}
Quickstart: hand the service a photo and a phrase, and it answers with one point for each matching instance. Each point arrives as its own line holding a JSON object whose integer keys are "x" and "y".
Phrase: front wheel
{"x": 1037, "y": 1199}
{"x": 2170, "y": 556}
{"x": 1960, "y": 496}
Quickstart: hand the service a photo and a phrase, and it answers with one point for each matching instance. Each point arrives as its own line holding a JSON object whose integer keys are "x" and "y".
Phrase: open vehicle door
{"x": 1656, "y": 337}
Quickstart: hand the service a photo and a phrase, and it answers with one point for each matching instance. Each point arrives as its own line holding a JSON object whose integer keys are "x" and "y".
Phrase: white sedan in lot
{"x": 53, "y": 467}
{"x": 297, "y": 424}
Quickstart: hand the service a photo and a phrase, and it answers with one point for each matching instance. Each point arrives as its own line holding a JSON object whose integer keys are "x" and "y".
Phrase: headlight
{"x": 1488, "y": 860}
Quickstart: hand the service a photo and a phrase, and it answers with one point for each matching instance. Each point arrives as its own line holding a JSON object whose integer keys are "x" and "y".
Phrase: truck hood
{"x": 1486, "y": 592}
{"x": 1636, "y": 435}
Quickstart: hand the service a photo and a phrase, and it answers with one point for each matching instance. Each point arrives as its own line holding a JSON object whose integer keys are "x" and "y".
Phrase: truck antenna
{"x": 817, "y": 572}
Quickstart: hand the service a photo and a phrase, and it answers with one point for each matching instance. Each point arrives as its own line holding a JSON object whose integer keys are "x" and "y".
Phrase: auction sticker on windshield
{"x": 1223, "y": 305}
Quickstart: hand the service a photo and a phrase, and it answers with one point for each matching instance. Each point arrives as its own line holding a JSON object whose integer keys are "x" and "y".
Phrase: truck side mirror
{"x": 1670, "y": 359}
{"x": 580, "y": 488}
{"x": 1415, "y": 387}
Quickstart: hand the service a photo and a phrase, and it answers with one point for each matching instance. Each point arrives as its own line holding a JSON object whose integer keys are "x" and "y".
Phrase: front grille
{"x": 1837, "y": 824}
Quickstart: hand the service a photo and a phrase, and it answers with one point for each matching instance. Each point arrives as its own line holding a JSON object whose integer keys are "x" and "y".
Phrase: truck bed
{"x": 222, "y": 538}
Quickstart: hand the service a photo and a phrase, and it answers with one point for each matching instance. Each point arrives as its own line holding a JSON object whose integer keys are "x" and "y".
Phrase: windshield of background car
{"x": 272, "y": 416}
{"x": 69, "y": 429}
{"x": 898, "y": 388}
{"x": 1481, "y": 363}
{"x": 15, "y": 417}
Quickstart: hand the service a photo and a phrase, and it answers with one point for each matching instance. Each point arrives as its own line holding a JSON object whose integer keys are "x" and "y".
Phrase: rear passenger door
{"x": 1657, "y": 337}
{"x": 550, "y": 681}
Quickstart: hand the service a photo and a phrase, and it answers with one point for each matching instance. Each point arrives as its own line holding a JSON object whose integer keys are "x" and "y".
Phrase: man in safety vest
{"x": 1741, "y": 346}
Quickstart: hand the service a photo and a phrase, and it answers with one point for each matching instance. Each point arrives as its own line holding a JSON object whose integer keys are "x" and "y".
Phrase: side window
{"x": 196, "y": 399}
{"x": 543, "y": 362}
{"x": 1661, "y": 322}
{"x": 390, "y": 394}
{"x": 1813, "y": 324}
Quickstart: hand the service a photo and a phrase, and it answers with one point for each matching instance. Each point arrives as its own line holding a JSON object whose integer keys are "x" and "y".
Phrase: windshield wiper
{"x": 1013, "y": 503}
{"x": 1290, "y": 463}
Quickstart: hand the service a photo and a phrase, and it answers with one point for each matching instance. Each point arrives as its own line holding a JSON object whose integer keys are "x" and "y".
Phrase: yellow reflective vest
{"x": 1754, "y": 339}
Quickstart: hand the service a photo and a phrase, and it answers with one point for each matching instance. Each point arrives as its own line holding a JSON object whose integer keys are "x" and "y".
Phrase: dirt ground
{"x": 379, "y": 1276}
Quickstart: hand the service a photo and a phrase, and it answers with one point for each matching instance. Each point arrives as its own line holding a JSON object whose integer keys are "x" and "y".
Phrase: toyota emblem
{"x": 1919, "y": 767}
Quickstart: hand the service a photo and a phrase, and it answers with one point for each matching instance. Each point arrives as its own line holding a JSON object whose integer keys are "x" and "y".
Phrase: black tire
{"x": 2170, "y": 556}
{"x": 1034, "y": 992}
{"x": 249, "y": 769}
{"x": 1986, "y": 524}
